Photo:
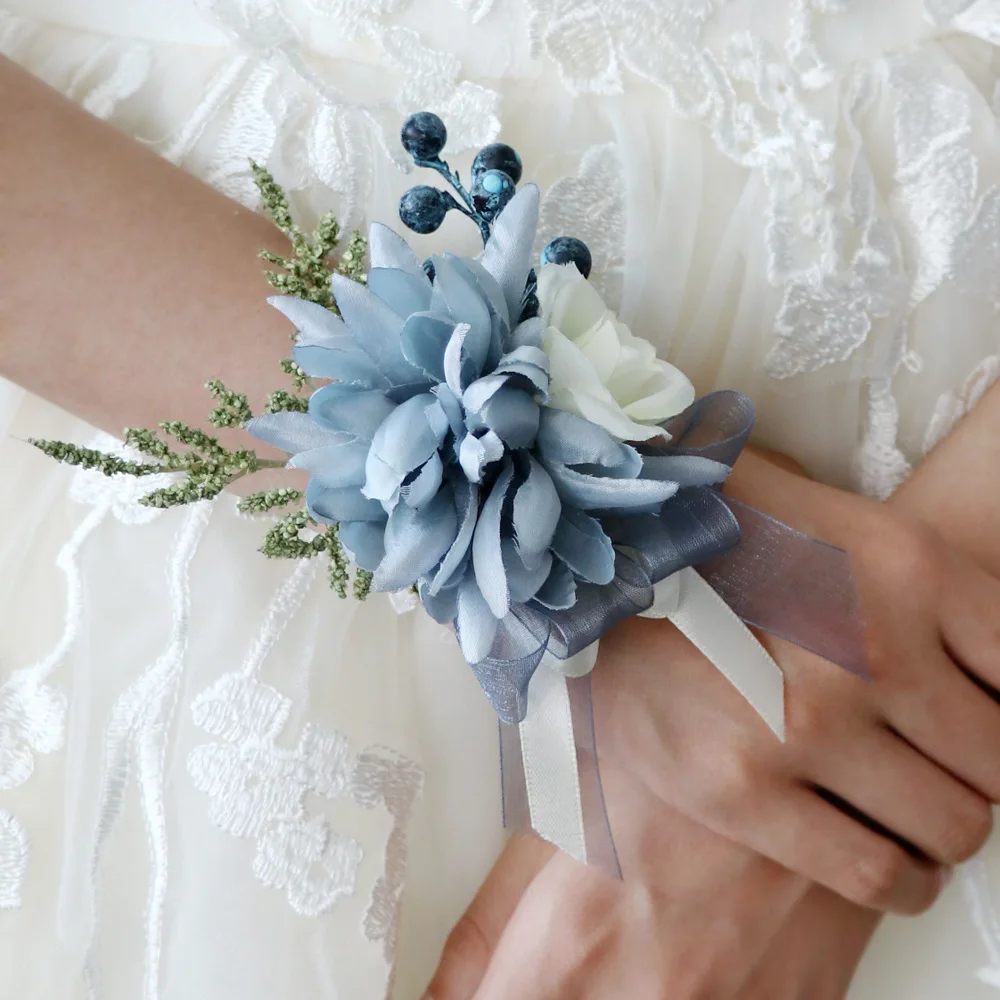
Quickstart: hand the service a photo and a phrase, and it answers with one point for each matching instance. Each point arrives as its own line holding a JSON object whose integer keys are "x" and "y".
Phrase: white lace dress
{"x": 215, "y": 780}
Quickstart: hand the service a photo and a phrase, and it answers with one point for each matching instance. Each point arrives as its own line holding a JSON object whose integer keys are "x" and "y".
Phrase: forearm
{"x": 124, "y": 282}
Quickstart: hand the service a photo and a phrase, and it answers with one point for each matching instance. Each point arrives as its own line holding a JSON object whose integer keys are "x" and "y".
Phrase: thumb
{"x": 471, "y": 944}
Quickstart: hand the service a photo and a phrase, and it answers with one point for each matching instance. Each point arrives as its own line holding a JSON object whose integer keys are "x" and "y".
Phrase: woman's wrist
{"x": 777, "y": 485}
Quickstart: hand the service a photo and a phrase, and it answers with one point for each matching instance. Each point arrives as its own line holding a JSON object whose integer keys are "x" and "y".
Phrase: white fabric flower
{"x": 598, "y": 368}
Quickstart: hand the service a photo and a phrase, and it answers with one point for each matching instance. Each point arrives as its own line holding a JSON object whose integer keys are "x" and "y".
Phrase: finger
{"x": 884, "y": 778}
{"x": 471, "y": 944}
{"x": 796, "y": 827}
{"x": 970, "y": 623}
{"x": 950, "y": 719}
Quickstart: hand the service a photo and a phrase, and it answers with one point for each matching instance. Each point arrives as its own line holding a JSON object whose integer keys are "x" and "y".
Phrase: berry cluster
{"x": 496, "y": 172}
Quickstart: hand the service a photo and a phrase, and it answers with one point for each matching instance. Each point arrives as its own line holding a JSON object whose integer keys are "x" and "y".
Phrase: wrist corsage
{"x": 486, "y": 432}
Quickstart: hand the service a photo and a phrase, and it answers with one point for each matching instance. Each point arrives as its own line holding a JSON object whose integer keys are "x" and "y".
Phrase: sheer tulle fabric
{"x": 208, "y": 766}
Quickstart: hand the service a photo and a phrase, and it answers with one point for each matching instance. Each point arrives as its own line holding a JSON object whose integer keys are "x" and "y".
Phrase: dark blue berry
{"x": 497, "y": 156}
{"x": 569, "y": 250}
{"x": 423, "y": 135}
{"x": 428, "y": 266}
{"x": 491, "y": 192}
{"x": 423, "y": 208}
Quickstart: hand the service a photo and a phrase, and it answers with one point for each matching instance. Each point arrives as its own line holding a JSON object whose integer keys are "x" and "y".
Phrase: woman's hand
{"x": 912, "y": 757}
{"x": 819, "y": 939}
{"x": 696, "y": 916}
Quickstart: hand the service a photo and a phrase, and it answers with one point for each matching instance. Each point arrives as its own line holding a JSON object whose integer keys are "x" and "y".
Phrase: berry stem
{"x": 452, "y": 178}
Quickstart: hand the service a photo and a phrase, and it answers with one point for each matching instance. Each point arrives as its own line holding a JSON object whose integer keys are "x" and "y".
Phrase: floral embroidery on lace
{"x": 769, "y": 112}
{"x": 31, "y": 722}
{"x": 274, "y": 107}
{"x": 259, "y": 789}
{"x": 13, "y": 860}
{"x": 590, "y": 204}
{"x": 592, "y": 42}
{"x": 385, "y": 778}
{"x": 974, "y": 17}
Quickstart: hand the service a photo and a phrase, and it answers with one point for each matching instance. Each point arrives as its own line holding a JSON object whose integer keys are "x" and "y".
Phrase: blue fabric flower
{"x": 432, "y": 447}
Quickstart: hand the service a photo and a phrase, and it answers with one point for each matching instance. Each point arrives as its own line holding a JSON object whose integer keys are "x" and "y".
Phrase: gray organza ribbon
{"x": 773, "y": 577}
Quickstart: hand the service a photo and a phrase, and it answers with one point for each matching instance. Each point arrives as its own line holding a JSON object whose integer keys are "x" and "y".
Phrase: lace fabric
{"x": 795, "y": 199}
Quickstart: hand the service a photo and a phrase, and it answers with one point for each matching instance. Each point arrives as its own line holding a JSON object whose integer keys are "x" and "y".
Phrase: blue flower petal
{"x": 341, "y": 366}
{"x": 530, "y": 333}
{"x": 425, "y": 484}
{"x": 452, "y": 408}
{"x": 293, "y": 432}
{"x": 476, "y": 625}
{"x": 332, "y": 506}
{"x": 513, "y": 415}
{"x": 336, "y": 466}
{"x": 364, "y": 542}
{"x": 558, "y": 593}
{"x": 411, "y": 433}
{"x": 387, "y": 248}
{"x": 536, "y": 514}
{"x": 424, "y": 339}
{"x": 317, "y": 325}
{"x": 458, "y": 369}
{"x": 382, "y": 482}
{"x": 530, "y": 364}
{"x": 685, "y": 470}
{"x": 443, "y": 605}
{"x": 508, "y": 253}
{"x": 456, "y": 295}
{"x": 488, "y": 286}
{"x": 568, "y": 439}
{"x": 375, "y": 328}
{"x": 475, "y": 453}
{"x": 581, "y": 543}
{"x": 467, "y": 505}
{"x": 401, "y": 393}
{"x": 477, "y": 394}
{"x": 350, "y": 408}
{"x": 403, "y": 293}
{"x": 415, "y": 541}
{"x": 487, "y": 557}
{"x": 578, "y": 489}
{"x": 523, "y": 582}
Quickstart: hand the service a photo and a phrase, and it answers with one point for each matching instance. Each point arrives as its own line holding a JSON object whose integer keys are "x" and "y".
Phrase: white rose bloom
{"x": 598, "y": 368}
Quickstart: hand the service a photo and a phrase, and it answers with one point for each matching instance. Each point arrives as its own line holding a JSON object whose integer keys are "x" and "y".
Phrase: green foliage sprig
{"x": 205, "y": 465}
{"x": 306, "y": 273}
